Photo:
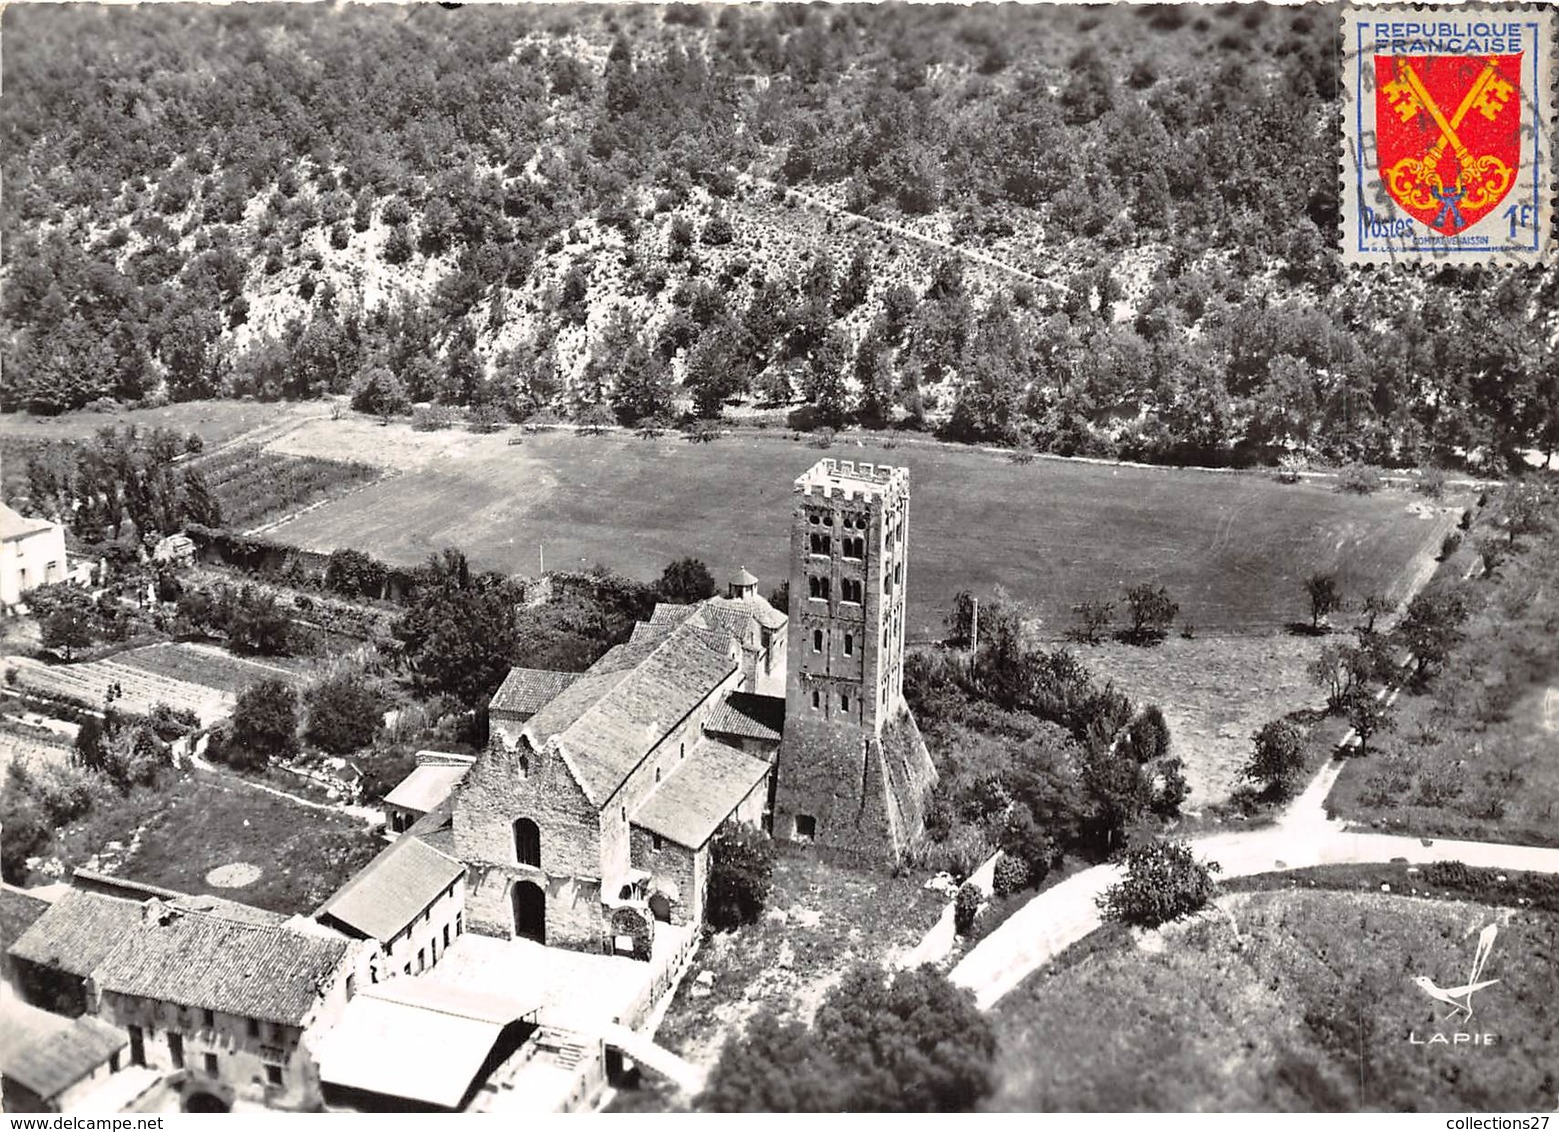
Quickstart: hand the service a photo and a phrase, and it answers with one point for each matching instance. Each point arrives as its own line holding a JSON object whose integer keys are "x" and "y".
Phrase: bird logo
{"x": 1459, "y": 999}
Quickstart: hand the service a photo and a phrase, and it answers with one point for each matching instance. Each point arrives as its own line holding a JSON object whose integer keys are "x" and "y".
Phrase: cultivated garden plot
{"x": 135, "y": 690}
{"x": 206, "y": 665}
{"x": 251, "y": 482}
{"x": 1313, "y": 1008}
{"x": 1232, "y": 549}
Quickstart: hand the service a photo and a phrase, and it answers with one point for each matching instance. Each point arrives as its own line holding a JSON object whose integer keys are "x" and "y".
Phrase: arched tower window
{"x": 527, "y": 842}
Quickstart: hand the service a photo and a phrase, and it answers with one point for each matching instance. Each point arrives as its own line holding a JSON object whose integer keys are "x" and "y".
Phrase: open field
{"x": 204, "y": 822}
{"x": 1312, "y": 1010}
{"x": 1216, "y": 692}
{"x": 1232, "y": 549}
{"x": 215, "y": 421}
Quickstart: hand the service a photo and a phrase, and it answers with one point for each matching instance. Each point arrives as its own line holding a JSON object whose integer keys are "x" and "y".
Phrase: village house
{"x": 32, "y": 553}
{"x": 226, "y": 994}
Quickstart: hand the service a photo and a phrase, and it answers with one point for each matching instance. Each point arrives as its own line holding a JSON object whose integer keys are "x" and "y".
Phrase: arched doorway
{"x": 660, "y": 907}
{"x": 530, "y": 911}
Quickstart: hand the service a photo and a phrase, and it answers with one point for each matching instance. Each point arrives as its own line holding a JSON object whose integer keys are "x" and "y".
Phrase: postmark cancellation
{"x": 1448, "y": 134}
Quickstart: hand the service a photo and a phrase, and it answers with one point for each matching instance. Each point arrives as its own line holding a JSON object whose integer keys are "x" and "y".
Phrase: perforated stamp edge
{"x": 1374, "y": 228}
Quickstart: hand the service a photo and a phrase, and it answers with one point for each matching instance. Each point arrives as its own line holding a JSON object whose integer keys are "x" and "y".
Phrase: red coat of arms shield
{"x": 1448, "y": 130}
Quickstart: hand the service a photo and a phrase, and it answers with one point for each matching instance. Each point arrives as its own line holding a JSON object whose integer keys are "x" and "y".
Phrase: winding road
{"x": 1302, "y": 837}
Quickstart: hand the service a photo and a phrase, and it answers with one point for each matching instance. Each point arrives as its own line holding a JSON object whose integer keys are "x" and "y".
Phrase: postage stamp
{"x": 1448, "y": 134}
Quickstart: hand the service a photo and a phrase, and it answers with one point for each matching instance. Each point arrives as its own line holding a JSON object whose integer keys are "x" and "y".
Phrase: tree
{"x": 66, "y": 615}
{"x": 258, "y": 624}
{"x": 1090, "y": 621}
{"x": 905, "y": 1042}
{"x": 1163, "y": 882}
{"x": 1277, "y": 759}
{"x": 379, "y": 392}
{"x": 1376, "y": 606}
{"x": 1368, "y": 712}
{"x": 966, "y": 906}
{"x": 1325, "y": 596}
{"x": 264, "y": 726}
{"x": 198, "y": 502}
{"x": 460, "y": 630}
{"x": 1152, "y": 612}
{"x": 1146, "y": 737}
{"x": 741, "y": 869}
{"x": 685, "y": 582}
{"x": 1431, "y": 627}
{"x": 353, "y": 573}
{"x": 343, "y": 714}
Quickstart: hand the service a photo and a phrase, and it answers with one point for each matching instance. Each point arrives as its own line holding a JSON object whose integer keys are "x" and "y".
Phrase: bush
{"x": 966, "y": 906}
{"x": 1163, "y": 882}
{"x": 1450, "y": 544}
{"x": 1431, "y": 482}
{"x": 1012, "y": 875}
{"x": 1359, "y": 479}
{"x": 169, "y": 723}
{"x": 431, "y": 418}
{"x": 264, "y": 726}
{"x": 344, "y": 714}
{"x": 1278, "y": 758}
{"x": 741, "y": 870}
{"x": 823, "y": 438}
{"x": 718, "y": 232}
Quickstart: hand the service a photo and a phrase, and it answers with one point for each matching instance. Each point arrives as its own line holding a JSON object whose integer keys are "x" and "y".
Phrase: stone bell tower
{"x": 852, "y": 770}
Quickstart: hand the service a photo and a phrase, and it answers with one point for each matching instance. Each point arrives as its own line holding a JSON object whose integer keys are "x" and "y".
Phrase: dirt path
{"x": 1062, "y": 916}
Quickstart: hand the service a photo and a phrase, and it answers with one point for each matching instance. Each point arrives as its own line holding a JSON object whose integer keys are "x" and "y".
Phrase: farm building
{"x": 424, "y": 790}
{"x": 591, "y": 814}
{"x": 32, "y": 553}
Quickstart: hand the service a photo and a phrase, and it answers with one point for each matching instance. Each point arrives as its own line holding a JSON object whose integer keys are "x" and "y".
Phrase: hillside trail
{"x": 983, "y": 258}
{"x": 1302, "y": 837}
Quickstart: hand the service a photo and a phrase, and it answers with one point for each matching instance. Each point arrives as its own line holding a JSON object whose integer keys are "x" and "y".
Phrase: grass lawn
{"x": 1232, "y": 549}
{"x": 177, "y": 835}
{"x": 215, "y": 421}
{"x": 821, "y": 919}
{"x": 1311, "y": 1011}
{"x": 1216, "y": 692}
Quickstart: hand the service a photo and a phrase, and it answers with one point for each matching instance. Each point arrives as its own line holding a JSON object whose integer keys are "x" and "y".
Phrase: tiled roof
{"x": 206, "y": 962}
{"x": 105, "y": 885}
{"x": 758, "y": 607}
{"x": 748, "y": 715}
{"x": 393, "y": 889}
{"x": 701, "y": 793}
{"x": 18, "y": 911}
{"x": 78, "y": 931}
{"x": 528, "y": 689}
{"x": 607, "y": 739}
{"x": 48, "y": 1053}
{"x": 425, "y": 787}
{"x": 570, "y": 704}
{"x": 743, "y": 578}
{"x": 13, "y": 524}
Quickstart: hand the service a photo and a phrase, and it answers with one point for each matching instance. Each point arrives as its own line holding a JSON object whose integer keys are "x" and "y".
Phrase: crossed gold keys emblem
{"x": 1480, "y": 179}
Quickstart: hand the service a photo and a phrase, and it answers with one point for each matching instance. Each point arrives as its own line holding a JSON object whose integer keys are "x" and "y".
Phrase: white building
{"x": 32, "y": 552}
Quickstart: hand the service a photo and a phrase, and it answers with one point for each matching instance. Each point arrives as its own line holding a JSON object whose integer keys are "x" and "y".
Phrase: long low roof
{"x": 702, "y": 792}
{"x": 416, "y": 1040}
{"x": 78, "y": 931}
{"x": 426, "y": 786}
{"x": 393, "y": 889}
{"x": 48, "y": 1053}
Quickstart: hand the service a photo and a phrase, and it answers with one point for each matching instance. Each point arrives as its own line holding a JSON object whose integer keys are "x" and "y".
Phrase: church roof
{"x": 527, "y": 690}
{"x": 393, "y": 889}
{"x": 700, "y": 793}
{"x": 612, "y": 726}
{"x": 748, "y": 715}
{"x": 743, "y": 578}
{"x": 756, "y": 607}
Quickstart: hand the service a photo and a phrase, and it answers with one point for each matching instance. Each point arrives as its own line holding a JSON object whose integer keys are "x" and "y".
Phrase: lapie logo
{"x": 1459, "y": 998}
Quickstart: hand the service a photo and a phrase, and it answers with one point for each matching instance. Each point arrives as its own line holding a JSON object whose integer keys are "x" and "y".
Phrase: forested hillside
{"x": 1100, "y": 230}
